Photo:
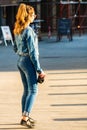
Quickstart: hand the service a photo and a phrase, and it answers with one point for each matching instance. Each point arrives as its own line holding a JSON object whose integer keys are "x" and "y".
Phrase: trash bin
{"x": 64, "y": 27}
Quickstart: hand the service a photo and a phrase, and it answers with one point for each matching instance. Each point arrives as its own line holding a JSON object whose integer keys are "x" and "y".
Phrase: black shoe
{"x": 28, "y": 123}
{"x": 32, "y": 120}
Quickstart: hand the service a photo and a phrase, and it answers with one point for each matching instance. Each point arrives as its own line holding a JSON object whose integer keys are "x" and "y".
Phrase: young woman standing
{"x": 26, "y": 46}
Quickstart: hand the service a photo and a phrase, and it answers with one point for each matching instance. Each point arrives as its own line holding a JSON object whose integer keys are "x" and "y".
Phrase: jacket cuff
{"x": 39, "y": 71}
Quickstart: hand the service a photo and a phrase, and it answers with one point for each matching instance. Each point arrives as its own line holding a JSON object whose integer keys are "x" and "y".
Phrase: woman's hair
{"x": 23, "y": 18}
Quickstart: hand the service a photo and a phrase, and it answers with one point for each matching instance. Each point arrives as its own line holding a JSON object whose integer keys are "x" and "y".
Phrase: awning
{"x": 5, "y": 5}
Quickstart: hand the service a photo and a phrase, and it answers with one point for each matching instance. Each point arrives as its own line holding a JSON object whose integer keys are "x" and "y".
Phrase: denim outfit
{"x": 26, "y": 46}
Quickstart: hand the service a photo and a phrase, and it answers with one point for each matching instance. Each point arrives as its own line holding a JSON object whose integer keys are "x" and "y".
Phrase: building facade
{"x": 47, "y": 10}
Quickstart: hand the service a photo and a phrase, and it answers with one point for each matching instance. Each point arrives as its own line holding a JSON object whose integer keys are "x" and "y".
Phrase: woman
{"x": 26, "y": 46}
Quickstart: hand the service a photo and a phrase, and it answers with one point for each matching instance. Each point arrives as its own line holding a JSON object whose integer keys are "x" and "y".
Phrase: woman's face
{"x": 32, "y": 16}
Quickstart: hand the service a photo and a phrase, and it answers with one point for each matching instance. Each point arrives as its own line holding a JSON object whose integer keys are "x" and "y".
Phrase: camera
{"x": 40, "y": 80}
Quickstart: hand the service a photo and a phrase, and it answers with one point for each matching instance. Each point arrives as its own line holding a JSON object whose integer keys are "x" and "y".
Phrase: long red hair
{"x": 23, "y": 18}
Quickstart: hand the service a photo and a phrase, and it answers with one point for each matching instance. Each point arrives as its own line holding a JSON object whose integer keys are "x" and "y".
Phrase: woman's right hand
{"x": 42, "y": 74}
{"x": 41, "y": 77}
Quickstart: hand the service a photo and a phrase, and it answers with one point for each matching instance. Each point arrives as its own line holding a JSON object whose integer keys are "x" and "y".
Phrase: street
{"x": 62, "y": 99}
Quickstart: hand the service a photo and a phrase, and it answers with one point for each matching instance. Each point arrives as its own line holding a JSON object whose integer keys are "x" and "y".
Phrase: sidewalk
{"x": 62, "y": 98}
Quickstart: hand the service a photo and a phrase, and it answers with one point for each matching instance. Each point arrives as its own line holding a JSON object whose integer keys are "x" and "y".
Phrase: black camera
{"x": 40, "y": 80}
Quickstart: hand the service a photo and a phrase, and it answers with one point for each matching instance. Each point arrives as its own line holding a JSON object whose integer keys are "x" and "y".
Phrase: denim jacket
{"x": 26, "y": 43}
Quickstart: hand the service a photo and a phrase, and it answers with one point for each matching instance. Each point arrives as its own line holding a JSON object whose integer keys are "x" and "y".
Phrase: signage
{"x": 6, "y": 34}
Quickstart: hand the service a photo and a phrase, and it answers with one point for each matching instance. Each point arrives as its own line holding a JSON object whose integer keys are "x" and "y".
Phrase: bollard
{"x": 49, "y": 32}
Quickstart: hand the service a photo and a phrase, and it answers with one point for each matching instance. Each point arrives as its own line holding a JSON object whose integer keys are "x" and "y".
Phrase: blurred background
{"x": 48, "y": 12}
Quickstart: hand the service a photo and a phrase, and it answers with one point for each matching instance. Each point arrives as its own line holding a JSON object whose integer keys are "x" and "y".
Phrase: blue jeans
{"x": 29, "y": 79}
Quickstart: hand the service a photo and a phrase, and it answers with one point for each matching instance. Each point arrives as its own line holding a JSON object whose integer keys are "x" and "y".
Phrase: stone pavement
{"x": 62, "y": 99}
